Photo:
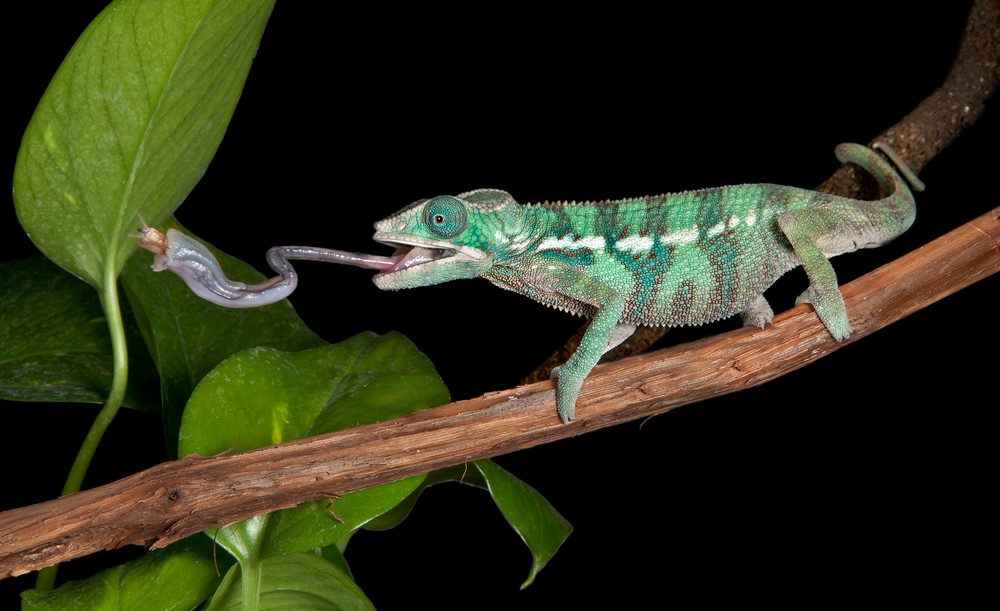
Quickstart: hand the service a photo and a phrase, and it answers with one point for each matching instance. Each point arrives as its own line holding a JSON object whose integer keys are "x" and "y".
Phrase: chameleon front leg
{"x": 603, "y": 333}
{"x": 571, "y": 374}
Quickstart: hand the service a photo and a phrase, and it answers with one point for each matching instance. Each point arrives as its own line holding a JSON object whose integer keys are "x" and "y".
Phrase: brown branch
{"x": 941, "y": 118}
{"x": 173, "y": 500}
{"x": 919, "y": 137}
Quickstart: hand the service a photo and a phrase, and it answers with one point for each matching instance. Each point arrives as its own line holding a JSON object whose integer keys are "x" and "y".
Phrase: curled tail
{"x": 897, "y": 208}
{"x": 915, "y": 183}
{"x": 874, "y": 164}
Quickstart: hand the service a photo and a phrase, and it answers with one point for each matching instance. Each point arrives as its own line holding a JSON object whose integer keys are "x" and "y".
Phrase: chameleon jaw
{"x": 419, "y": 262}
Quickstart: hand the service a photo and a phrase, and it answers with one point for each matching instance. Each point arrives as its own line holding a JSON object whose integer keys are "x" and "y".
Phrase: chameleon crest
{"x": 676, "y": 259}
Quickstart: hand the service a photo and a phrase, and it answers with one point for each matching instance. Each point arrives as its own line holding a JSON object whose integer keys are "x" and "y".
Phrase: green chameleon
{"x": 677, "y": 259}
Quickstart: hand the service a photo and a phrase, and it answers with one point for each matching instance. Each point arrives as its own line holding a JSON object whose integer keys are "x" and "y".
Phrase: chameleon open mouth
{"x": 407, "y": 256}
{"x": 420, "y": 262}
{"x": 411, "y": 253}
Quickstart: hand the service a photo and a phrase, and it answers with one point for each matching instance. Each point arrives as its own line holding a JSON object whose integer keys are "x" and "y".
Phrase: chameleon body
{"x": 677, "y": 259}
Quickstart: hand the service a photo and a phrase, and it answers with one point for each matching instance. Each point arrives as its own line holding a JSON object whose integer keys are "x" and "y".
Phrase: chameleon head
{"x": 446, "y": 237}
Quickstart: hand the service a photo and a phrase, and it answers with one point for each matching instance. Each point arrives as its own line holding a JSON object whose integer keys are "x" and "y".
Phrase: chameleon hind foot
{"x": 758, "y": 313}
{"x": 831, "y": 311}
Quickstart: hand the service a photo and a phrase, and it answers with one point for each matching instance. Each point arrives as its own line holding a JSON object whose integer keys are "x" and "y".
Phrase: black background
{"x": 862, "y": 476}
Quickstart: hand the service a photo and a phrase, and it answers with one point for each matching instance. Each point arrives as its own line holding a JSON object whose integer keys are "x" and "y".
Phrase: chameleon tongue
{"x": 402, "y": 259}
{"x": 415, "y": 256}
{"x": 358, "y": 259}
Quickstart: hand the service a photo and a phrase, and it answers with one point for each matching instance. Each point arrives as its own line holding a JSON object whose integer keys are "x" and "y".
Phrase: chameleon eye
{"x": 445, "y": 216}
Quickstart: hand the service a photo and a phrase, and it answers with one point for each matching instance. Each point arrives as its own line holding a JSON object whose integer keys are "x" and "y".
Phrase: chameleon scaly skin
{"x": 677, "y": 259}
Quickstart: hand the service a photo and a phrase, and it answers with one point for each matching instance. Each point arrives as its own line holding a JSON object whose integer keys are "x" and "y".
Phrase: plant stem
{"x": 74, "y": 481}
{"x": 250, "y": 575}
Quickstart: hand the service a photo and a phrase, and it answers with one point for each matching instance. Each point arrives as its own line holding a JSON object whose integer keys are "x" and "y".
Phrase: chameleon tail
{"x": 887, "y": 177}
{"x": 896, "y": 211}
{"x": 915, "y": 183}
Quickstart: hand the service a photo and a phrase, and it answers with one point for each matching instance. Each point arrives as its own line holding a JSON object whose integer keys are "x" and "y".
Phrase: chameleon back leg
{"x": 758, "y": 313}
{"x": 803, "y": 228}
{"x": 839, "y": 225}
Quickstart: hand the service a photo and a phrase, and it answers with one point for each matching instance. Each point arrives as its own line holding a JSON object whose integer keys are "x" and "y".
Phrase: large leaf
{"x": 295, "y": 581}
{"x": 188, "y": 336}
{"x": 129, "y": 123}
{"x": 179, "y": 576}
{"x": 54, "y": 343}
{"x": 264, "y": 396}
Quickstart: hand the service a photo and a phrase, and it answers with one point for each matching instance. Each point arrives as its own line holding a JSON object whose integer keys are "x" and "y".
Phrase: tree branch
{"x": 176, "y": 499}
{"x": 941, "y": 118}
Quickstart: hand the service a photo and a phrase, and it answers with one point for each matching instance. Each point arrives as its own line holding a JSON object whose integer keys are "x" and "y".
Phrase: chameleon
{"x": 683, "y": 258}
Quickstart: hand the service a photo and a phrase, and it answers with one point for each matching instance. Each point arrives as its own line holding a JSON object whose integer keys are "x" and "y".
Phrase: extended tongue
{"x": 415, "y": 256}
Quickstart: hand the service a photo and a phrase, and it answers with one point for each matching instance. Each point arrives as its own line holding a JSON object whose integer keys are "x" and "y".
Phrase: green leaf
{"x": 295, "y": 581}
{"x": 264, "y": 396}
{"x": 54, "y": 343}
{"x": 179, "y": 576}
{"x": 129, "y": 123}
{"x": 333, "y": 555}
{"x": 541, "y": 527}
{"x": 311, "y": 525}
{"x": 188, "y": 336}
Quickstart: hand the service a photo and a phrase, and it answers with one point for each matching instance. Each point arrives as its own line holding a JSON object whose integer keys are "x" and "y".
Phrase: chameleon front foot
{"x": 567, "y": 390}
